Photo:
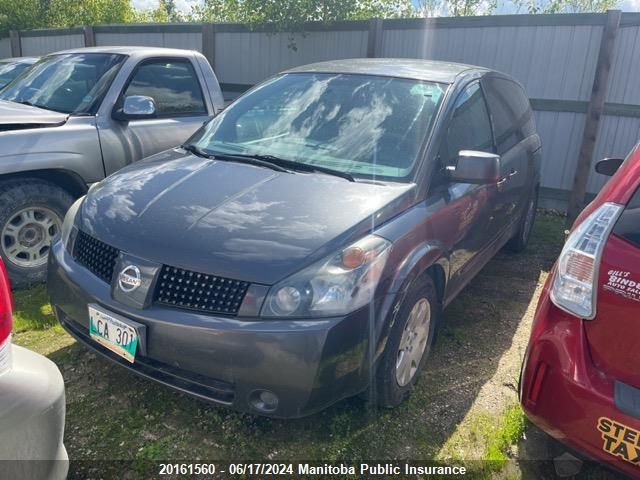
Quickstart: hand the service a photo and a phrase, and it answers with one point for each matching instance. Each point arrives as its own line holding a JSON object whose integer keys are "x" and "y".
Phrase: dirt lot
{"x": 464, "y": 410}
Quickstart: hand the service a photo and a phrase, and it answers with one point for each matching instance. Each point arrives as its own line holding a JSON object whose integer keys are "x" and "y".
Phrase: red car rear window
{"x": 628, "y": 226}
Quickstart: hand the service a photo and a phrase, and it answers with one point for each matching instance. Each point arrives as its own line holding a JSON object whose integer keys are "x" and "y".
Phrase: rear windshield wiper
{"x": 299, "y": 166}
{"x": 234, "y": 158}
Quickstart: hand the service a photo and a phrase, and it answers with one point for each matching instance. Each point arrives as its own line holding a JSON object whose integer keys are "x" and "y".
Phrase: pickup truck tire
{"x": 408, "y": 344}
{"x": 31, "y": 215}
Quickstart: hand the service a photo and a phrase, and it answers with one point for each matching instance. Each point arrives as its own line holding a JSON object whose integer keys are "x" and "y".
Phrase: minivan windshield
{"x": 364, "y": 125}
{"x": 67, "y": 83}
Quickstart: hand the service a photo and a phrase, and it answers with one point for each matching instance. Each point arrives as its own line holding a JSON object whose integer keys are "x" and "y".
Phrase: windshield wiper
{"x": 297, "y": 166}
{"x": 233, "y": 158}
{"x": 267, "y": 161}
{"x": 196, "y": 151}
{"x": 27, "y": 103}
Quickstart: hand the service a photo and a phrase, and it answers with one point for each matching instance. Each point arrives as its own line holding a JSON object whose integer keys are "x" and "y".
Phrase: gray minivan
{"x": 301, "y": 246}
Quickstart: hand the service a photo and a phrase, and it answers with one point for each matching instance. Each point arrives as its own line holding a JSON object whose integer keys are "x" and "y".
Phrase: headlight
{"x": 574, "y": 285}
{"x": 336, "y": 285}
{"x": 69, "y": 221}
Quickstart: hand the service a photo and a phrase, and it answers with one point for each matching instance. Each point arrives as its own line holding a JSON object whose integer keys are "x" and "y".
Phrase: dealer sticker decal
{"x": 620, "y": 440}
{"x": 622, "y": 283}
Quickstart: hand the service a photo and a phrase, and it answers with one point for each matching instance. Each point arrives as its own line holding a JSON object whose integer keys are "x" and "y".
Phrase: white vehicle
{"x": 32, "y": 406}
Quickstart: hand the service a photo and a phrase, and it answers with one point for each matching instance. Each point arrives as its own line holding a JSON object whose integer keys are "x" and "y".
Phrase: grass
{"x": 508, "y": 433}
{"x": 32, "y": 310}
{"x": 464, "y": 409}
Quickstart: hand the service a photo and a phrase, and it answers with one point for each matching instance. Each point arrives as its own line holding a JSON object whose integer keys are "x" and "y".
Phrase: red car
{"x": 581, "y": 374}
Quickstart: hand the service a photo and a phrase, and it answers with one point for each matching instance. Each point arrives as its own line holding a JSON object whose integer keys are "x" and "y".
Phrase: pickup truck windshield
{"x": 67, "y": 83}
{"x": 10, "y": 70}
{"x": 364, "y": 125}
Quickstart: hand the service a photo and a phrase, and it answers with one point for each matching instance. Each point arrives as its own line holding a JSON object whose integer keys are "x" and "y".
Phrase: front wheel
{"x": 408, "y": 344}
{"x": 31, "y": 215}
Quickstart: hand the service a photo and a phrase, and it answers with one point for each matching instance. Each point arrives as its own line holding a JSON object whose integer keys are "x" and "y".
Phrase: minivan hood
{"x": 234, "y": 220}
{"x": 16, "y": 115}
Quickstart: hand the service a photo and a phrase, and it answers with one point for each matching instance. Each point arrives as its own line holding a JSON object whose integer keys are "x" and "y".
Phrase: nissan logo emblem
{"x": 129, "y": 278}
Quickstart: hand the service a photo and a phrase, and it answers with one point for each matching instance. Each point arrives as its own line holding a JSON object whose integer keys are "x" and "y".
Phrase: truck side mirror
{"x": 475, "y": 167}
{"x": 609, "y": 166}
{"x": 136, "y": 107}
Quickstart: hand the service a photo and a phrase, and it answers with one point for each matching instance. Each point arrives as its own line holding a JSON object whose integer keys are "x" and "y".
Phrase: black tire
{"x": 388, "y": 390}
{"x": 521, "y": 239}
{"x": 15, "y": 196}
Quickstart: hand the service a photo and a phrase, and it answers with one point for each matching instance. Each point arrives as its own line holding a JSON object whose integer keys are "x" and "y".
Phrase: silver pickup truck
{"x": 79, "y": 115}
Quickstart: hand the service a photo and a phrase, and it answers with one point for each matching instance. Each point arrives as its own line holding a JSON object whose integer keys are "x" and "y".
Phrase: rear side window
{"x": 172, "y": 84}
{"x": 469, "y": 127}
{"x": 510, "y": 110}
{"x": 628, "y": 226}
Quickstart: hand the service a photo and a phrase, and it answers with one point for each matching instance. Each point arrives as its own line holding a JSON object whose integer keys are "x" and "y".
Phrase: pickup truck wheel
{"x": 408, "y": 344}
{"x": 520, "y": 240}
{"x": 31, "y": 215}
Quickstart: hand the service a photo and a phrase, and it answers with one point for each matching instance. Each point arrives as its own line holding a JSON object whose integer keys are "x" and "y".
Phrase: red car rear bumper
{"x": 565, "y": 395}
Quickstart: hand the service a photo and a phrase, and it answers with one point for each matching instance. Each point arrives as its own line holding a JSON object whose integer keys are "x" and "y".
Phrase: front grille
{"x": 190, "y": 290}
{"x": 96, "y": 256}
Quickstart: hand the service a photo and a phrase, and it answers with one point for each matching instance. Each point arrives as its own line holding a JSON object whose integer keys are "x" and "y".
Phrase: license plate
{"x": 113, "y": 332}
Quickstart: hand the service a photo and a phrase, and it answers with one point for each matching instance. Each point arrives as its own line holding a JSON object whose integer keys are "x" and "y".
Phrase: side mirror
{"x": 609, "y": 166}
{"x": 475, "y": 167}
{"x": 136, "y": 107}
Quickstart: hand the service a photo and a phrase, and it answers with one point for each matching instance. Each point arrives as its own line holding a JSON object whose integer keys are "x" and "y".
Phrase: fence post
{"x": 209, "y": 43}
{"x": 16, "y": 46}
{"x": 594, "y": 112}
{"x": 374, "y": 40}
{"x": 89, "y": 36}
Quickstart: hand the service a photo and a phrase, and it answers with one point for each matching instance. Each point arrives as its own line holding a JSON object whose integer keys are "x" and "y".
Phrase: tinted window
{"x": 173, "y": 85}
{"x": 360, "y": 124}
{"x": 469, "y": 127}
{"x": 69, "y": 83}
{"x": 511, "y": 112}
{"x": 628, "y": 226}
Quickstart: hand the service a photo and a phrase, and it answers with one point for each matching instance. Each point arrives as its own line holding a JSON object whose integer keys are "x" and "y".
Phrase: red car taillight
{"x": 574, "y": 285}
{"x": 6, "y": 320}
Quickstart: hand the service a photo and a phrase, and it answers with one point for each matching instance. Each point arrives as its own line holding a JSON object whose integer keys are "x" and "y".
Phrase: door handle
{"x": 507, "y": 177}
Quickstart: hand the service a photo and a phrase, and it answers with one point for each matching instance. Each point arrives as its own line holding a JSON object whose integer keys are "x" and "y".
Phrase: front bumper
{"x": 307, "y": 364}
{"x": 32, "y": 414}
{"x": 565, "y": 395}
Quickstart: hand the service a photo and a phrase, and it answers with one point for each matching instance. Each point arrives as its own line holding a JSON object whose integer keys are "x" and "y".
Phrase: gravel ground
{"x": 464, "y": 401}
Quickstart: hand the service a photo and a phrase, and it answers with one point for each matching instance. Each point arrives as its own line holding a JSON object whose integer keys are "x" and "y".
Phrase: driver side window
{"x": 173, "y": 85}
{"x": 469, "y": 127}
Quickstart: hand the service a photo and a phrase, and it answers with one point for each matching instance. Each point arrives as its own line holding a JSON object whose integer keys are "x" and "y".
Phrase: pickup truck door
{"x": 181, "y": 108}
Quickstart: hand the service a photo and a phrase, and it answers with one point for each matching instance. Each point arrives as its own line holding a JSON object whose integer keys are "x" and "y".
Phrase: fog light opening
{"x": 263, "y": 401}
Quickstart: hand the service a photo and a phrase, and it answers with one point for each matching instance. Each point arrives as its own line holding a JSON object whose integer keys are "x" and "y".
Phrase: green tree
{"x": 27, "y": 14}
{"x": 565, "y": 6}
{"x": 287, "y": 14}
{"x": 456, "y": 8}
{"x": 66, "y": 13}
{"x": 165, "y": 11}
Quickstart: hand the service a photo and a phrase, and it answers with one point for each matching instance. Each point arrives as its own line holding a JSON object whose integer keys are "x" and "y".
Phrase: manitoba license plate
{"x": 113, "y": 332}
